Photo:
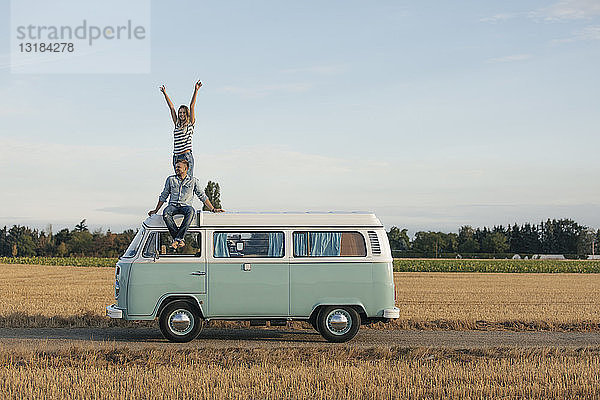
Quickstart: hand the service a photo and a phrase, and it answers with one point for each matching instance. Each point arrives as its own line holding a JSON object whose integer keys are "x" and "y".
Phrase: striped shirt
{"x": 182, "y": 136}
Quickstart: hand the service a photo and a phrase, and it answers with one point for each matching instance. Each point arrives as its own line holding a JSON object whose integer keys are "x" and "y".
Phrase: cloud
{"x": 568, "y": 10}
{"x": 591, "y": 32}
{"x": 564, "y": 10}
{"x": 511, "y": 58}
{"x": 266, "y": 90}
{"x": 123, "y": 210}
{"x": 498, "y": 17}
{"x": 317, "y": 69}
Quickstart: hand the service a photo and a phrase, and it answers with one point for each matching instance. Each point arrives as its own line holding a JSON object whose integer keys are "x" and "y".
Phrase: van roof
{"x": 275, "y": 219}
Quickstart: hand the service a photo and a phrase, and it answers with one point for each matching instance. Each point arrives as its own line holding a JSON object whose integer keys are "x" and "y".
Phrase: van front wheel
{"x": 180, "y": 322}
{"x": 338, "y": 324}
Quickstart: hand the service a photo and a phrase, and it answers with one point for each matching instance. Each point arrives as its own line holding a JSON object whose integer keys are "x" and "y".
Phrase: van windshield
{"x": 135, "y": 243}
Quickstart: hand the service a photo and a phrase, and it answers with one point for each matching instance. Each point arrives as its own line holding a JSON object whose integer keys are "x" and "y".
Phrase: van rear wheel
{"x": 180, "y": 322}
{"x": 338, "y": 324}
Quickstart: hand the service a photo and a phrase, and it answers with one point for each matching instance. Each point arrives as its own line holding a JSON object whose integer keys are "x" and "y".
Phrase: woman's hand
{"x": 163, "y": 89}
{"x": 197, "y": 86}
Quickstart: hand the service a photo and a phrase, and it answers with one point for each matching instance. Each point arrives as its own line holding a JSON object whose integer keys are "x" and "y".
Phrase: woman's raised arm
{"x": 197, "y": 86}
{"x": 163, "y": 89}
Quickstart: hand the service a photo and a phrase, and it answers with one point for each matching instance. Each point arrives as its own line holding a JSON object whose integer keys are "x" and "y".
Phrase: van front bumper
{"x": 391, "y": 313}
{"x": 114, "y": 312}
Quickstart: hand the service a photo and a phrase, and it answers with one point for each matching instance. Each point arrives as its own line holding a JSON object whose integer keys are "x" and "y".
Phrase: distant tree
{"x": 466, "y": 240}
{"x": 22, "y": 239}
{"x": 63, "y": 236}
{"x": 44, "y": 245}
{"x": 515, "y": 239}
{"x": 436, "y": 243}
{"x": 61, "y": 250}
{"x": 398, "y": 239}
{"x": 585, "y": 241}
{"x": 81, "y": 227}
{"x": 560, "y": 236}
{"x": 80, "y": 243}
{"x": 122, "y": 240}
{"x": 530, "y": 239}
{"x": 5, "y": 247}
{"x": 213, "y": 192}
{"x": 495, "y": 242}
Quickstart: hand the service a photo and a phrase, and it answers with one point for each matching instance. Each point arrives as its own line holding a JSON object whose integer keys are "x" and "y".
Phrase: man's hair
{"x": 185, "y": 162}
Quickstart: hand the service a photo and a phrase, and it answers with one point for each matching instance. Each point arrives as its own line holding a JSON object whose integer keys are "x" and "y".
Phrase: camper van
{"x": 333, "y": 270}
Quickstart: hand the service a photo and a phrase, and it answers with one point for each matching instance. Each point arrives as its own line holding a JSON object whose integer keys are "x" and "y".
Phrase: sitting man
{"x": 182, "y": 188}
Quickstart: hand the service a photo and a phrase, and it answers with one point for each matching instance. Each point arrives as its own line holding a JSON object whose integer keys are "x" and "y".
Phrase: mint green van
{"x": 333, "y": 270}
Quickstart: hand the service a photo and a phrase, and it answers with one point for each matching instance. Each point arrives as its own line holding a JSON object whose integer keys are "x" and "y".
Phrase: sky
{"x": 431, "y": 114}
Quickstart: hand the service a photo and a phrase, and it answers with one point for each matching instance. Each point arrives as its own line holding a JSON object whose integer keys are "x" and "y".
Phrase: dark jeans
{"x": 188, "y": 214}
{"x": 185, "y": 156}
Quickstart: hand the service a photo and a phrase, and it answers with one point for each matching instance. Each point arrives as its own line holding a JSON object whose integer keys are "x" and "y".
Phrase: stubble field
{"x": 52, "y": 296}
{"x": 339, "y": 372}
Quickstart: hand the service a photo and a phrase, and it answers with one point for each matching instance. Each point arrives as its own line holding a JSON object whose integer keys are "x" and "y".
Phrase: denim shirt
{"x": 182, "y": 192}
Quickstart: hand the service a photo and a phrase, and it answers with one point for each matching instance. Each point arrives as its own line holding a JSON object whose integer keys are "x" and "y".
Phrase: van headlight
{"x": 116, "y": 289}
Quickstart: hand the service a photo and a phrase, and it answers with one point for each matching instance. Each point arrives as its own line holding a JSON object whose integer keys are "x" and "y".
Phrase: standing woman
{"x": 184, "y": 121}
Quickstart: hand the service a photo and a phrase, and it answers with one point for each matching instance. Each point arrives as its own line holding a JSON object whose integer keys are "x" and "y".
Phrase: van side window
{"x": 150, "y": 248}
{"x": 193, "y": 245}
{"x": 248, "y": 244}
{"x": 329, "y": 244}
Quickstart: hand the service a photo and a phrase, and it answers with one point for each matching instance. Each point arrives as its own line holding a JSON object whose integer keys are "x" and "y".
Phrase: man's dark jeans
{"x": 188, "y": 214}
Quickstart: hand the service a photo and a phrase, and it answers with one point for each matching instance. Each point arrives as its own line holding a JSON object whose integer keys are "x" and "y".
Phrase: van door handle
{"x": 198, "y": 273}
{"x": 246, "y": 267}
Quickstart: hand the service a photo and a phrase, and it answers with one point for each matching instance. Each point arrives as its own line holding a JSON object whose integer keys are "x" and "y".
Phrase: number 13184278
{"x": 35, "y": 47}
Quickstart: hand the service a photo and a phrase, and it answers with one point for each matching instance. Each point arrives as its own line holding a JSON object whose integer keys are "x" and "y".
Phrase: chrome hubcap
{"x": 181, "y": 322}
{"x": 339, "y": 322}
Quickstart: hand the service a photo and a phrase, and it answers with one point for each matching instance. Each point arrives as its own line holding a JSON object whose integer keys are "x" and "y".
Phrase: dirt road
{"x": 257, "y": 338}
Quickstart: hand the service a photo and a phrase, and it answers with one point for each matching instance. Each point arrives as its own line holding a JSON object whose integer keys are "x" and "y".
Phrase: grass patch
{"x": 501, "y": 266}
{"x": 62, "y": 261}
{"x": 400, "y": 265}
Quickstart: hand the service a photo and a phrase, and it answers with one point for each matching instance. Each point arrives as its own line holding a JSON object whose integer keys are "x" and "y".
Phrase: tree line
{"x": 21, "y": 241}
{"x": 562, "y": 236}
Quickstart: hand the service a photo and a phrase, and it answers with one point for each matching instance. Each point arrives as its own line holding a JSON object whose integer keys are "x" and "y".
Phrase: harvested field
{"x": 498, "y": 301}
{"x": 121, "y": 362}
{"x": 335, "y": 373}
{"x": 47, "y": 296}
{"x": 40, "y": 295}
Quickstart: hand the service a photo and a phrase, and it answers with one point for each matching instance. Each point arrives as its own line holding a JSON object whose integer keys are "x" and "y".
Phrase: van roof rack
{"x": 280, "y": 219}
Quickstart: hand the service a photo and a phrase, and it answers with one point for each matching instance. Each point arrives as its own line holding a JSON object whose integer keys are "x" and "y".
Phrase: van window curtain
{"x": 325, "y": 244}
{"x": 300, "y": 244}
{"x": 275, "y": 244}
{"x": 221, "y": 250}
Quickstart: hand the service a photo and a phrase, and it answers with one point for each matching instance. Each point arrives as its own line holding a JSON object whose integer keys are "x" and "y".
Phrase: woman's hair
{"x": 187, "y": 115}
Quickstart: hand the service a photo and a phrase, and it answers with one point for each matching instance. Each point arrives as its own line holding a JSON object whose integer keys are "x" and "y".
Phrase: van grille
{"x": 375, "y": 248}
